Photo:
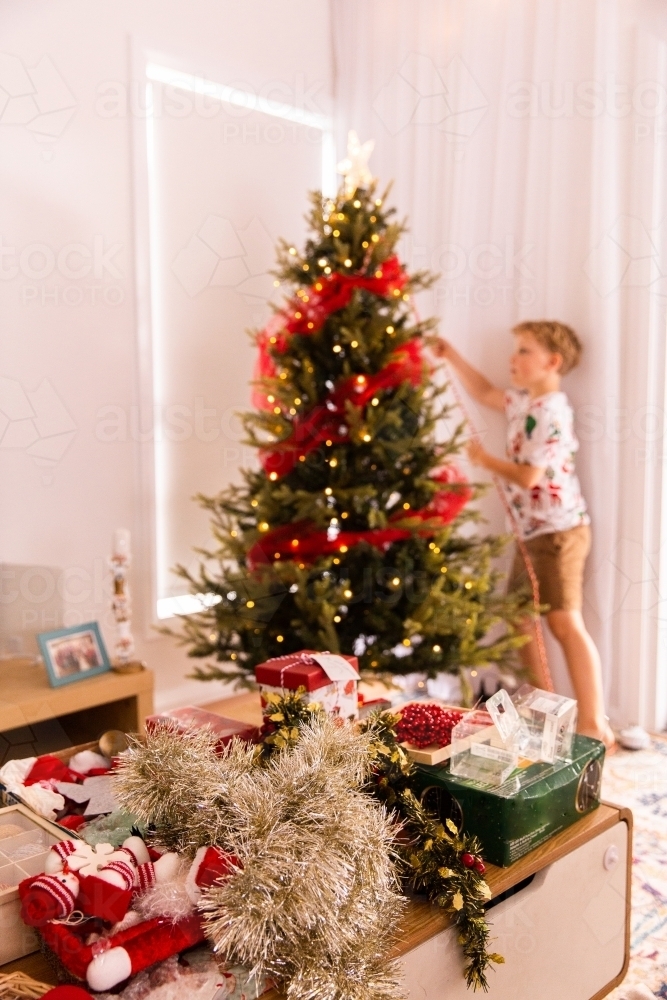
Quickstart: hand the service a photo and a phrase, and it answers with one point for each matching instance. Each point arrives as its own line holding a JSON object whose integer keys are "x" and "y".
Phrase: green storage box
{"x": 534, "y": 803}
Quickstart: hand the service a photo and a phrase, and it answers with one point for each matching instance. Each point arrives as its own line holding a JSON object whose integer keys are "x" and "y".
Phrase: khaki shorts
{"x": 558, "y": 559}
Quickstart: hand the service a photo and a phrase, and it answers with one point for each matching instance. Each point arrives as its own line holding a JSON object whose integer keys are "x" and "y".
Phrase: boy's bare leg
{"x": 530, "y": 655}
{"x": 583, "y": 664}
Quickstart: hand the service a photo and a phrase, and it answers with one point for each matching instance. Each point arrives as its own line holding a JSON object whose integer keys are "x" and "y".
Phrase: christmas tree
{"x": 350, "y": 535}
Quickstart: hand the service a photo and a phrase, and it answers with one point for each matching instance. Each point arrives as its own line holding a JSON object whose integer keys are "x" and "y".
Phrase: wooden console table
{"x": 560, "y": 917}
{"x": 84, "y": 709}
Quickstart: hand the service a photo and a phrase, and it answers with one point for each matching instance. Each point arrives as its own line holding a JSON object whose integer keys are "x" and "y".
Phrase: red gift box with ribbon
{"x": 191, "y": 718}
{"x": 330, "y": 679}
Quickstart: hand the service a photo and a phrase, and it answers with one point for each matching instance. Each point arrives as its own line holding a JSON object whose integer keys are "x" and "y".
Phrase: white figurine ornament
{"x": 84, "y": 859}
{"x": 121, "y": 604}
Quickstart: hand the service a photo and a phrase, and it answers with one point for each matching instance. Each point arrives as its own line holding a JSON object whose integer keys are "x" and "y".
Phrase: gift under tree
{"x": 347, "y": 537}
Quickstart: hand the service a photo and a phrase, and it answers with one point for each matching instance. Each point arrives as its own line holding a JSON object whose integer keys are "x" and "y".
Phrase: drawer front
{"x": 563, "y": 935}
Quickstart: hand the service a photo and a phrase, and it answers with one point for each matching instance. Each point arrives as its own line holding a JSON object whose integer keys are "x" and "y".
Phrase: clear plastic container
{"x": 479, "y": 753}
{"x": 538, "y": 725}
{"x": 10, "y": 876}
{"x": 25, "y": 845}
{"x": 13, "y": 823}
{"x": 551, "y": 720}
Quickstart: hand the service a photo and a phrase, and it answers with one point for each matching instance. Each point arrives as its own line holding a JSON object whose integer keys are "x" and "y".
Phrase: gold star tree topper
{"x": 354, "y": 167}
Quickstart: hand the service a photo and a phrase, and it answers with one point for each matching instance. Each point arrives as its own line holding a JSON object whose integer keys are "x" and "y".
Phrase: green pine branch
{"x": 431, "y": 852}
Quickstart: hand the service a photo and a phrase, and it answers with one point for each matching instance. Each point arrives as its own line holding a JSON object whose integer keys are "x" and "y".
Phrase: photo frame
{"x": 73, "y": 654}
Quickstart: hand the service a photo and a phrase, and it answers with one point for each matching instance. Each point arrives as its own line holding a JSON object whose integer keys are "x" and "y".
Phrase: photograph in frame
{"x": 73, "y": 654}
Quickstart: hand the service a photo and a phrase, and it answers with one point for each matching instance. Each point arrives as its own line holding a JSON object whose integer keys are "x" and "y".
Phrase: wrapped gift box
{"x": 536, "y": 801}
{"x": 369, "y": 705}
{"x": 190, "y": 717}
{"x": 329, "y": 679}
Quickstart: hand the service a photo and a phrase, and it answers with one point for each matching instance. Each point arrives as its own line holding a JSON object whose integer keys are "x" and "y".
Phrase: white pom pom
{"x": 85, "y": 760}
{"x": 108, "y": 969}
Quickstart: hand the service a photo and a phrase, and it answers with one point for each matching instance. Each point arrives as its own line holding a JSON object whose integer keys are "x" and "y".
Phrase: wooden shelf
{"x": 26, "y": 697}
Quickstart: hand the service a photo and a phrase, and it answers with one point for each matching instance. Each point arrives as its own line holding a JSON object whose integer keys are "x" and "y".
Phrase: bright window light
{"x": 185, "y": 604}
{"x": 252, "y": 102}
{"x": 241, "y": 98}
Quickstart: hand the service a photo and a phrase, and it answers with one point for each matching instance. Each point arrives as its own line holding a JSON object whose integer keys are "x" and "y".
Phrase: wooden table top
{"x": 422, "y": 920}
{"x": 26, "y": 695}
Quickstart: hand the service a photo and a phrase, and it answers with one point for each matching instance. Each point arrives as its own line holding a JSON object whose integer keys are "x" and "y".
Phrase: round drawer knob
{"x": 611, "y": 857}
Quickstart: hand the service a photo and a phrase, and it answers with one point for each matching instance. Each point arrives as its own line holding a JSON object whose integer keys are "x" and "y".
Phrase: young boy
{"x": 544, "y": 494}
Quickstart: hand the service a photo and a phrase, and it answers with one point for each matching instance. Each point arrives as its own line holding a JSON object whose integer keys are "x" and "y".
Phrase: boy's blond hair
{"x": 557, "y": 338}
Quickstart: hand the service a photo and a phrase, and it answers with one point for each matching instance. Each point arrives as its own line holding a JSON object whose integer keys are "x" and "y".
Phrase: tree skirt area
{"x": 639, "y": 780}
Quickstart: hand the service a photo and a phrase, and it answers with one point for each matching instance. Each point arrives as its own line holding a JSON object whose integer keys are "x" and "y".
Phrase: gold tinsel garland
{"x": 317, "y": 902}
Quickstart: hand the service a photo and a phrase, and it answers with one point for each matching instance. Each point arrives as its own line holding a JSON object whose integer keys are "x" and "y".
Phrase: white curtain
{"x": 527, "y": 142}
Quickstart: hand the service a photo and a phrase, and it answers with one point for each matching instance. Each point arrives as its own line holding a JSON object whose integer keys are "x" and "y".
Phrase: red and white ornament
{"x": 211, "y": 864}
{"x": 113, "y": 885}
{"x": 119, "y": 873}
{"x": 57, "y": 856}
{"x": 136, "y": 849}
{"x": 48, "y": 897}
{"x": 106, "y": 878}
{"x": 145, "y": 878}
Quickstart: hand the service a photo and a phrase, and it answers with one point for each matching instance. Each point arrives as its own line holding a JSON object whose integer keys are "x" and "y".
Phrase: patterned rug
{"x": 639, "y": 780}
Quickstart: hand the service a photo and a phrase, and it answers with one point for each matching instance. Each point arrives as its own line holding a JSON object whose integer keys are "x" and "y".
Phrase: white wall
{"x": 69, "y": 322}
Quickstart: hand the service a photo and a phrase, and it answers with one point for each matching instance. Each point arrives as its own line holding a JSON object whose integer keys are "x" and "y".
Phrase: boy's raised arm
{"x": 473, "y": 381}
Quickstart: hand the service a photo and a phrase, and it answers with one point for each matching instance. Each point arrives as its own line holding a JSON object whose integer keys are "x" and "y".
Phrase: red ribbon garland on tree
{"x": 326, "y": 422}
{"x": 306, "y": 313}
{"x": 303, "y": 541}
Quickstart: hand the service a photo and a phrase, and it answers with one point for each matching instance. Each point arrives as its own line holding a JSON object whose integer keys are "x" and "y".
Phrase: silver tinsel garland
{"x": 177, "y": 783}
{"x": 317, "y": 901}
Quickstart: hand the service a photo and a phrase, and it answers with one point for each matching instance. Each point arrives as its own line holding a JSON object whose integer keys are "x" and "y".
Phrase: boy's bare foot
{"x": 604, "y": 734}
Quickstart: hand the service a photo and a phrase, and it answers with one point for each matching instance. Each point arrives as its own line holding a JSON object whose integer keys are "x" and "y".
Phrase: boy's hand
{"x": 476, "y": 453}
{"x": 473, "y": 381}
{"x": 441, "y": 348}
